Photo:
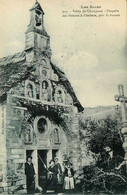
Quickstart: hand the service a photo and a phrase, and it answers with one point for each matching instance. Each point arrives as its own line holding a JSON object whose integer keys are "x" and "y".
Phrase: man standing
{"x": 30, "y": 174}
{"x": 58, "y": 172}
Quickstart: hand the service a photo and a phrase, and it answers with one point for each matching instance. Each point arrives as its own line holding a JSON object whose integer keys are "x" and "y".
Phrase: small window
{"x": 43, "y": 62}
{"x": 44, "y": 73}
{"x": 38, "y": 18}
{"x": 42, "y": 125}
{"x": 44, "y": 85}
{"x": 48, "y": 43}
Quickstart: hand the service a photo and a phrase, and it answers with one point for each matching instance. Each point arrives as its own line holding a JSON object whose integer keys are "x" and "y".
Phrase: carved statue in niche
{"x": 30, "y": 90}
{"x": 29, "y": 134}
{"x": 59, "y": 96}
{"x": 56, "y": 136}
{"x": 45, "y": 90}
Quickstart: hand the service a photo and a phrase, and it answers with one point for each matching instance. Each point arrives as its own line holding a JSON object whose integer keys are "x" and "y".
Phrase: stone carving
{"x": 56, "y": 136}
{"x": 29, "y": 134}
{"x": 59, "y": 95}
{"x": 30, "y": 90}
{"x": 45, "y": 90}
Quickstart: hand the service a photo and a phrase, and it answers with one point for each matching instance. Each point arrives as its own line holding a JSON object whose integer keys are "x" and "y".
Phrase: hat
{"x": 51, "y": 161}
{"x": 28, "y": 157}
{"x": 55, "y": 158}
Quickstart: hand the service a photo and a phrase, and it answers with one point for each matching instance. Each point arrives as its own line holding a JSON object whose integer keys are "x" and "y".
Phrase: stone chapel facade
{"x": 39, "y": 109}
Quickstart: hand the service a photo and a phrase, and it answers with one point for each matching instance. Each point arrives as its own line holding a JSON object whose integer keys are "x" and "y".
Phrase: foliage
{"x": 56, "y": 114}
{"x": 102, "y": 176}
{"x": 97, "y": 181}
{"x": 102, "y": 133}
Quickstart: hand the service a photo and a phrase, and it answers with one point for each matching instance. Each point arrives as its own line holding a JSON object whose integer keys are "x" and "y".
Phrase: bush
{"x": 98, "y": 181}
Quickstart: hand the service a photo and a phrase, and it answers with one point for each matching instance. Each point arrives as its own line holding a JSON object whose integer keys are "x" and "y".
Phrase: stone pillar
{"x": 3, "y": 154}
{"x": 124, "y": 129}
{"x": 123, "y": 100}
{"x": 75, "y": 144}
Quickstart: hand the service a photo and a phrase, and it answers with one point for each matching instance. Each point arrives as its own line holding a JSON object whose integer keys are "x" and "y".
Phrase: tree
{"x": 103, "y": 133}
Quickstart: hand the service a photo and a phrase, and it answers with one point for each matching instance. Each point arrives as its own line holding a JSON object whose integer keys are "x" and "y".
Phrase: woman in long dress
{"x": 68, "y": 178}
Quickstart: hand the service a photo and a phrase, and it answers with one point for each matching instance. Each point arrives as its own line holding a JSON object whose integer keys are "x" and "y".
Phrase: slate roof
{"x": 37, "y": 6}
{"x": 11, "y": 68}
{"x": 14, "y": 69}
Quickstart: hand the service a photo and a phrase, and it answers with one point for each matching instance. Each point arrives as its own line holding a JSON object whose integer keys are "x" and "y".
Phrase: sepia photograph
{"x": 63, "y": 97}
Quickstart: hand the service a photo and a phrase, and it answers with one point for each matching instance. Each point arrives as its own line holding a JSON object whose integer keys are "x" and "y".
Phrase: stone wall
{"x": 3, "y": 185}
{"x": 14, "y": 147}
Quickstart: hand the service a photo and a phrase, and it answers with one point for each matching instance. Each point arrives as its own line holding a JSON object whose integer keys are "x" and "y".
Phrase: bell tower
{"x": 37, "y": 41}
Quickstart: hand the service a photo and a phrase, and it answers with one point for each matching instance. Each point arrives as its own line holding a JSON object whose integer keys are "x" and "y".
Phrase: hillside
{"x": 100, "y": 112}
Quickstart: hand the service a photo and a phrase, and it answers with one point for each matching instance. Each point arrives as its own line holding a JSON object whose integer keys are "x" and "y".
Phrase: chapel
{"x": 39, "y": 111}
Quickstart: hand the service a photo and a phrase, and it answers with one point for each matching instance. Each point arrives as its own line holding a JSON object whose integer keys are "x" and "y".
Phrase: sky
{"x": 91, "y": 51}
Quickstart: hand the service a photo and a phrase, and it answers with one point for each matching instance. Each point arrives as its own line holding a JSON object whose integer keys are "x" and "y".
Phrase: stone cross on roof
{"x": 121, "y": 97}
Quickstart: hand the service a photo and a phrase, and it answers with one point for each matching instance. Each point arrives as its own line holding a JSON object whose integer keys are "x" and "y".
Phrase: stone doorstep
{"x": 47, "y": 192}
{"x": 20, "y": 192}
{"x": 24, "y": 192}
{"x": 50, "y": 191}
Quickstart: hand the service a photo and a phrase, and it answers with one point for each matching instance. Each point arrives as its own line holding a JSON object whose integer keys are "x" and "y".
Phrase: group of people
{"x": 58, "y": 179}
